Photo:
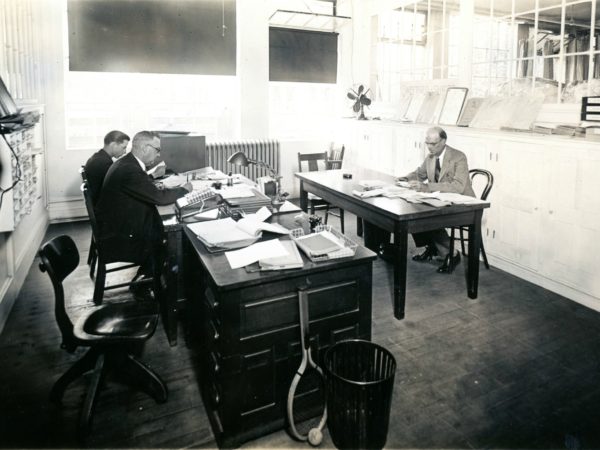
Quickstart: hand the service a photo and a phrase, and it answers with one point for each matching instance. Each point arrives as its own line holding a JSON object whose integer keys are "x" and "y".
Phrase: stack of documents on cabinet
{"x": 226, "y": 233}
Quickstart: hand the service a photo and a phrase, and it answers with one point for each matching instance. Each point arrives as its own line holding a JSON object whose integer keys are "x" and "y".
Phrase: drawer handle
{"x": 216, "y": 366}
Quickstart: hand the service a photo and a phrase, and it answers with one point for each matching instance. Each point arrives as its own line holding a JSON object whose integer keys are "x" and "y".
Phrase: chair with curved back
{"x": 312, "y": 161}
{"x": 103, "y": 259}
{"x": 106, "y": 330}
{"x": 473, "y": 173}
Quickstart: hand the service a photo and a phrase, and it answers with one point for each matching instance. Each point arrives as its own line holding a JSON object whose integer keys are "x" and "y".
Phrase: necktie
{"x": 438, "y": 168}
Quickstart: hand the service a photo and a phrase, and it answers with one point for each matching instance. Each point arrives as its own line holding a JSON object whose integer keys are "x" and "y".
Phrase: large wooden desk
{"x": 248, "y": 334}
{"x": 397, "y": 216}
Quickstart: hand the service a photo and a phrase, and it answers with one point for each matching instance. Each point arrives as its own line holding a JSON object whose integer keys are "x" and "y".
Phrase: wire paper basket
{"x": 349, "y": 249}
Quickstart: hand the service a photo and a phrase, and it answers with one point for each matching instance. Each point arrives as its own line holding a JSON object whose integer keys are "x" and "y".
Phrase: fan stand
{"x": 362, "y": 113}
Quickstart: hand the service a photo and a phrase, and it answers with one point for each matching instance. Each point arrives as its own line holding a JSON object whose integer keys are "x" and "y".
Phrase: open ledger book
{"x": 223, "y": 234}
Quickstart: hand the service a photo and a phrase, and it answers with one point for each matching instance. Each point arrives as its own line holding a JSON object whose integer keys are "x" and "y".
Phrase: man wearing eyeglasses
{"x": 129, "y": 224}
{"x": 445, "y": 169}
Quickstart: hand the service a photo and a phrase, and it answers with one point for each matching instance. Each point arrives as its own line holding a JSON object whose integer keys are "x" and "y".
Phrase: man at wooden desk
{"x": 129, "y": 223}
{"x": 445, "y": 169}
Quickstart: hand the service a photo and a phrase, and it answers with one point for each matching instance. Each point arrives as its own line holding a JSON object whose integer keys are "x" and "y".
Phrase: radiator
{"x": 266, "y": 151}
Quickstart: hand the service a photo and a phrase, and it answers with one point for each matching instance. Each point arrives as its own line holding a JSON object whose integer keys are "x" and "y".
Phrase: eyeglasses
{"x": 432, "y": 143}
{"x": 155, "y": 148}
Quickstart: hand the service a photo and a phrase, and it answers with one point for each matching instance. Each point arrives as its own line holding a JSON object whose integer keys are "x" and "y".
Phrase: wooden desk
{"x": 397, "y": 216}
{"x": 247, "y": 331}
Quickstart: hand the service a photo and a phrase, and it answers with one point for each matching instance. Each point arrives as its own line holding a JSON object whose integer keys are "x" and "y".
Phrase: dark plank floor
{"x": 516, "y": 368}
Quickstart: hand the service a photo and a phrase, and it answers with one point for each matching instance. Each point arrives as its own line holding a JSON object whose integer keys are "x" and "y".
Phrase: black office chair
{"x": 103, "y": 259}
{"x": 107, "y": 330}
{"x": 312, "y": 162}
{"x": 484, "y": 195}
{"x": 93, "y": 253}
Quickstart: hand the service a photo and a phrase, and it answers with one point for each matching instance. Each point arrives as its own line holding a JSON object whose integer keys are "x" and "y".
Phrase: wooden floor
{"x": 517, "y": 368}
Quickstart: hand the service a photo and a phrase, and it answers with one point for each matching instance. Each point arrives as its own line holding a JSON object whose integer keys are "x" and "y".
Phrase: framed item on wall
{"x": 453, "y": 104}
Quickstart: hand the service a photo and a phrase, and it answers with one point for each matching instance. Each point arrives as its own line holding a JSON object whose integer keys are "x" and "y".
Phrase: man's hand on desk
{"x": 418, "y": 186}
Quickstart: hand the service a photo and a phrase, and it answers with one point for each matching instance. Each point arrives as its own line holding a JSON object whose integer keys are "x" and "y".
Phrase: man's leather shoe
{"x": 427, "y": 255}
{"x": 450, "y": 262}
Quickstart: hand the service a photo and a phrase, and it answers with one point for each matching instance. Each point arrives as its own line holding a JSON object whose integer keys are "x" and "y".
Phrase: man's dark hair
{"x": 115, "y": 136}
{"x": 443, "y": 134}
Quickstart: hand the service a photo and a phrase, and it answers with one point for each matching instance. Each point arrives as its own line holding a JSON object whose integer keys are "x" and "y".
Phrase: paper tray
{"x": 349, "y": 245}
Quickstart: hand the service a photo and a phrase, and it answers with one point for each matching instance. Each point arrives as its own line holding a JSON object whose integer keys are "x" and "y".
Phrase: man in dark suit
{"x": 129, "y": 224}
{"x": 446, "y": 170}
{"x": 96, "y": 167}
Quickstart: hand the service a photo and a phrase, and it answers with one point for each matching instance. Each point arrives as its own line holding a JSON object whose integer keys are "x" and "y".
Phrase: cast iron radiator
{"x": 266, "y": 151}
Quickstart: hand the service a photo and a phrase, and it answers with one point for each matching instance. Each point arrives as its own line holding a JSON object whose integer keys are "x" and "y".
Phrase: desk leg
{"x": 401, "y": 249}
{"x": 473, "y": 263}
{"x": 303, "y": 198}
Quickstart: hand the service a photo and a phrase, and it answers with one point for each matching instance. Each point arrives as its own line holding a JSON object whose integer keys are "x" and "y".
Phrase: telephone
{"x": 195, "y": 200}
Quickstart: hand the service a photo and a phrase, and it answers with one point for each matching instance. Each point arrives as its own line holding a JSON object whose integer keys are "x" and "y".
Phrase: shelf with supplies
{"x": 20, "y": 178}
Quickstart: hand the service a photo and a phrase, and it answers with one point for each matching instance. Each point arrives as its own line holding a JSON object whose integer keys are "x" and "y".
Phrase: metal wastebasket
{"x": 359, "y": 378}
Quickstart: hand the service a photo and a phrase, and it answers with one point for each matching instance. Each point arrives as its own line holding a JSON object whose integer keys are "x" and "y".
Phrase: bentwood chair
{"x": 103, "y": 260}
{"x": 489, "y": 183}
{"x": 107, "y": 331}
{"x": 312, "y": 162}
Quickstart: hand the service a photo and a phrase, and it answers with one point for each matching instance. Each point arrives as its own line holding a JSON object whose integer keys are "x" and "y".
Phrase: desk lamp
{"x": 240, "y": 159}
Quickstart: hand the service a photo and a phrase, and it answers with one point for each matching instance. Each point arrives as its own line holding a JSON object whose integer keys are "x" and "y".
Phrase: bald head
{"x": 435, "y": 139}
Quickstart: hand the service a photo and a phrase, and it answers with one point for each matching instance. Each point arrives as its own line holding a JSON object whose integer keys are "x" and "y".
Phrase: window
{"x": 152, "y": 36}
{"x": 412, "y": 44}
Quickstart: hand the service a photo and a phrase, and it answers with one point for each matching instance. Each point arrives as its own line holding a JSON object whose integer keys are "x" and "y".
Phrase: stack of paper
{"x": 228, "y": 234}
{"x": 291, "y": 260}
{"x": 372, "y": 184}
{"x": 318, "y": 244}
{"x": 245, "y": 200}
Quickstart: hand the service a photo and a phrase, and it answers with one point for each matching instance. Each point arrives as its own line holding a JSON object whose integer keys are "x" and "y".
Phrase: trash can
{"x": 359, "y": 379}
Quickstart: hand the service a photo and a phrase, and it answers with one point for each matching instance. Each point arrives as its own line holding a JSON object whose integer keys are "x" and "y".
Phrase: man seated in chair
{"x": 445, "y": 169}
{"x": 129, "y": 224}
{"x": 115, "y": 144}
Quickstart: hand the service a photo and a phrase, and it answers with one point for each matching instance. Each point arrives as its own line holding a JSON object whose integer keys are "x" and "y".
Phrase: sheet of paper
{"x": 288, "y": 207}
{"x": 174, "y": 181}
{"x": 239, "y": 191}
{"x": 210, "y": 214}
{"x": 254, "y": 252}
{"x": 156, "y": 167}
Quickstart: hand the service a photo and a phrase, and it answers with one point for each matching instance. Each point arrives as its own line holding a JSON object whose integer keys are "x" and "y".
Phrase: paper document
{"x": 288, "y": 207}
{"x": 368, "y": 193}
{"x": 321, "y": 243}
{"x": 208, "y": 215}
{"x": 372, "y": 184}
{"x": 240, "y": 191}
{"x": 161, "y": 164}
{"x": 173, "y": 181}
{"x": 291, "y": 260}
{"x": 254, "y": 252}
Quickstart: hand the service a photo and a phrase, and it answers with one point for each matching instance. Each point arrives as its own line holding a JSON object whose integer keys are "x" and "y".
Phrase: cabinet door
{"x": 513, "y": 218}
{"x": 570, "y": 220}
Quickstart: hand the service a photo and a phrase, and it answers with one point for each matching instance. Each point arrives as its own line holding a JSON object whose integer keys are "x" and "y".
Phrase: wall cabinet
{"x": 544, "y": 221}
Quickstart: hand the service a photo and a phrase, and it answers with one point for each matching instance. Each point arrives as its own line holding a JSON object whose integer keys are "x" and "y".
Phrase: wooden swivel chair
{"x": 93, "y": 253}
{"x": 489, "y": 183}
{"x": 312, "y": 162}
{"x": 107, "y": 331}
{"x": 103, "y": 259}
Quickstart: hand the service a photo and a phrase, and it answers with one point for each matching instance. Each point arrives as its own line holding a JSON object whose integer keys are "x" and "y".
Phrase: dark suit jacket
{"x": 95, "y": 171}
{"x": 129, "y": 225}
{"x": 454, "y": 173}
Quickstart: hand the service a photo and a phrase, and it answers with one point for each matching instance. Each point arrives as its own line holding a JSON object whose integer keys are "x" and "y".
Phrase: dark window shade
{"x": 305, "y": 56}
{"x": 153, "y": 36}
